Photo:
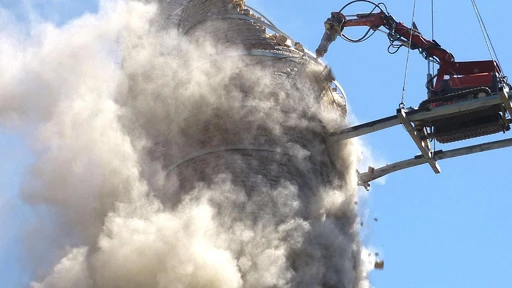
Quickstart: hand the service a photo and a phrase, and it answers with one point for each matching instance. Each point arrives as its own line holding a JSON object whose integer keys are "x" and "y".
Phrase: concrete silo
{"x": 259, "y": 120}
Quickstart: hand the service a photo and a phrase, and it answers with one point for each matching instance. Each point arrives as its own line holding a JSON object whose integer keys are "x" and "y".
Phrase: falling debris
{"x": 379, "y": 264}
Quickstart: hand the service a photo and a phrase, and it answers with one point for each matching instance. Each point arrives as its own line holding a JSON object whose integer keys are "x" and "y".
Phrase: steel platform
{"x": 408, "y": 116}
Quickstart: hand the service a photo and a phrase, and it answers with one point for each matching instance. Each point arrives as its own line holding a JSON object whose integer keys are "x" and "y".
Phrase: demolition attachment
{"x": 333, "y": 29}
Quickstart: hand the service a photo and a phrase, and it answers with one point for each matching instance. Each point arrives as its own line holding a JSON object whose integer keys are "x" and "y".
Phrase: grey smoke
{"x": 115, "y": 207}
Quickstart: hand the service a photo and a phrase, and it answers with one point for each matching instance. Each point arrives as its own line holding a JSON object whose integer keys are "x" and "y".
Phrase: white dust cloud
{"x": 98, "y": 185}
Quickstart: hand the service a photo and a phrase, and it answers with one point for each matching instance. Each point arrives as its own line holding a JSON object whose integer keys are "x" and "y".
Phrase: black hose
{"x": 365, "y": 36}
{"x": 377, "y": 5}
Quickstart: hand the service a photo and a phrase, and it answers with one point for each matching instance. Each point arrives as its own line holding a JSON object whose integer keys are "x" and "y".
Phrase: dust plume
{"x": 121, "y": 190}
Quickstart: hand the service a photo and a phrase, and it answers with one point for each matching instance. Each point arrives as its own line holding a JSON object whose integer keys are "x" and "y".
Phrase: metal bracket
{"x": 504, "y": 96}
{"x": 421, "y": 144}
{"x": 361, "y": 180}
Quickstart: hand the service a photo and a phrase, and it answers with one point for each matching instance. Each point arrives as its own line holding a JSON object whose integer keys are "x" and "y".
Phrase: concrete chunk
{"x": 281, "y": 40}
{"x": 379, "y": 264}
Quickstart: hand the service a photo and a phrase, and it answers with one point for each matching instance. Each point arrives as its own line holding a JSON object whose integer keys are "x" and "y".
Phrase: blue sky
{"x": 444, "y": 230}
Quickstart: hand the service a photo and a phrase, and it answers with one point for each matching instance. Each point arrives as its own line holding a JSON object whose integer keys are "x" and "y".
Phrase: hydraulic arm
{"x": 397, "y": 32}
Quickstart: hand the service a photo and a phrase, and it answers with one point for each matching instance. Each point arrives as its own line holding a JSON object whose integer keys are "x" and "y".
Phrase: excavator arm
{"x": 397, "y": 32}
{"x": 460, "y": 75}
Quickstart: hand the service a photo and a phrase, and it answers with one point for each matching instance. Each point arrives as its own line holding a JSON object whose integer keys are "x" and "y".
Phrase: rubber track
{"x": 468, "y": 133}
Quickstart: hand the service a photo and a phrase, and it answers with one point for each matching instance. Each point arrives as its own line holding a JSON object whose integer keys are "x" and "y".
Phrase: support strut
{"x": 372, "y": 174}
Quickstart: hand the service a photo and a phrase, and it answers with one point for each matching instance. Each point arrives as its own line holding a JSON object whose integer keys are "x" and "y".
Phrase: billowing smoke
{"x": 164, "y": 169}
